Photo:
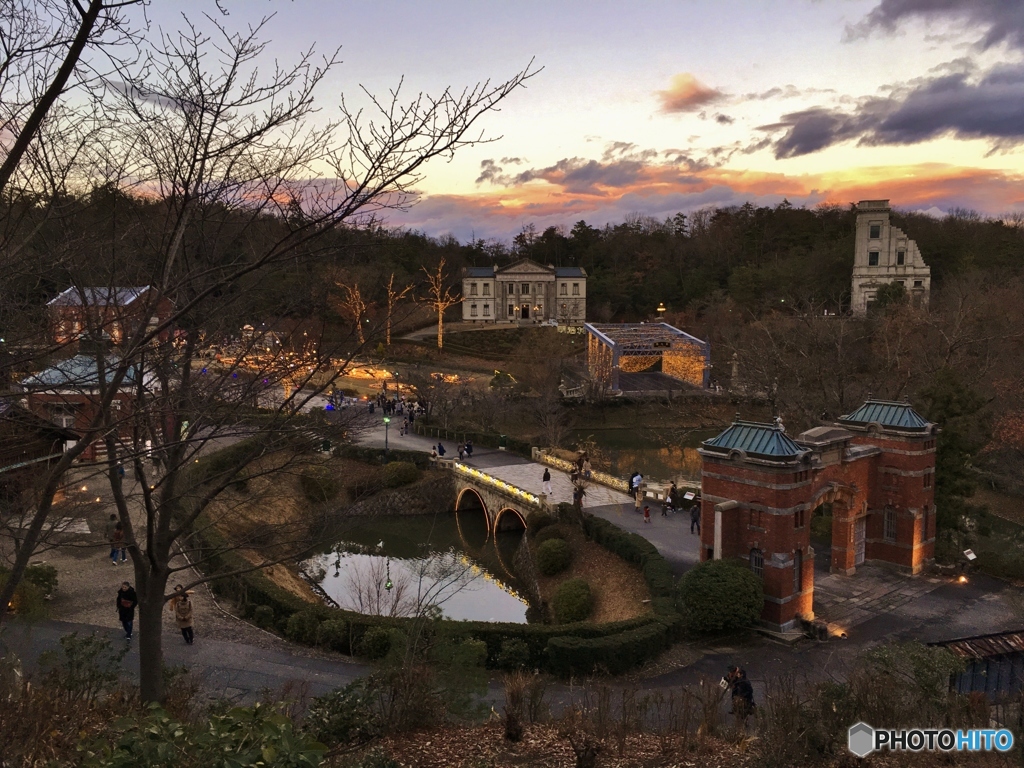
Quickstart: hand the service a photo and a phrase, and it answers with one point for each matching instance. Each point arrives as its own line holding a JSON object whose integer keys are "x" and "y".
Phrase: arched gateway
{"x": 760, "y": 487}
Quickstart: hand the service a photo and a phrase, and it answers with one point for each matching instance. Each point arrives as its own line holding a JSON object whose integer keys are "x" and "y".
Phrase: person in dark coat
{"x": 126, "y": 602}
{"x": 695, "y": 518}
{"x": 742, "y": 694}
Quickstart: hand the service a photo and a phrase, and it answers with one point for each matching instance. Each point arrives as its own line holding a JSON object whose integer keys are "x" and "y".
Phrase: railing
{"x": 601, "y": 478}
{"x": 489, "y": 480}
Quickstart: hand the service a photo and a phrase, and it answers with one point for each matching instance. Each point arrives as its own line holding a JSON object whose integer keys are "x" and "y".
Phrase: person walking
{"x": 469, "y": 449}
{"x": 109, "y": 532}
{"x": 742, "y": 695}
{"x": 126, "y": 601}
{"x": 587, "y": 469}
{"x": 433, "y": 453}
{"x": 647, "y": 514}
{"x": 181, "y": 606}
{"x": 695, "y": 518}
{"x": 547, "y": 481}
{"x": 462, "y": 451}
{"x": 440, "y": 450}
{"x": 633, "y": 483}
{"x": 117, "y": 545}
{"x": 638, "y": 502}
{"x": 673, "y": 496}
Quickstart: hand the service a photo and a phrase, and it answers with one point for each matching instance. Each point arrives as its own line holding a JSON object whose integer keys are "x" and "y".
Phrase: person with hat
{"x": 181, "y": 606}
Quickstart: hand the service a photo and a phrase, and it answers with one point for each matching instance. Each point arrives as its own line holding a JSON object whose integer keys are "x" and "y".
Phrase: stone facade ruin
{"x": 884, "y": 254}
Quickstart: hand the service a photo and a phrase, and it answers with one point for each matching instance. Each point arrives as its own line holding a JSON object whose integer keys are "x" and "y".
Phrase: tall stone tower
{"x": 884, "y": 254}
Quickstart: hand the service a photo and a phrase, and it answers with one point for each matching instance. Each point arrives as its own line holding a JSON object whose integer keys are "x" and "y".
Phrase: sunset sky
{"x": 660, "y": 107}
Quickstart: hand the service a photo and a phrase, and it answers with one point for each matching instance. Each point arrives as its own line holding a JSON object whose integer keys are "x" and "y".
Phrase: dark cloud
{"x": 724, "y": 119}
{"x": 1001, "y": 20}
{"x": 513, "y": 160}
{"x": 991, "y": 108}
{"x": 687, "y": 94}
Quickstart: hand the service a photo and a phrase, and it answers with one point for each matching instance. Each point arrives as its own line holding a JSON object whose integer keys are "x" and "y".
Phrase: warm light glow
{"x": 962, "y": 579}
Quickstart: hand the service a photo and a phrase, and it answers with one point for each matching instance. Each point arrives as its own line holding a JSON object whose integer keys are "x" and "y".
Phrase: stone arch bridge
{"x": 505, "y": 506}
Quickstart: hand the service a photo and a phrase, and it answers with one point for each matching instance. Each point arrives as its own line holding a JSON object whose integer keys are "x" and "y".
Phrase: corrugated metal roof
{"x": 77, "y": 371}
{"x": 985, "y": 646}
{"x": 479, "y": 271}
{"x": 888, "y": 414}
{"x": 756, "y": 439}
{"x": 97, "y": 297}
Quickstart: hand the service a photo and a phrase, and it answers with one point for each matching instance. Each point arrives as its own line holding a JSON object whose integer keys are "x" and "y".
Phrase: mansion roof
{"x": 524, "y": 265}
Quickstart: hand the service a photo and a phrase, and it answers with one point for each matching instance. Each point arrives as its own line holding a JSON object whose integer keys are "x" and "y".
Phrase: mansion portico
{"x": 524, "y": 292}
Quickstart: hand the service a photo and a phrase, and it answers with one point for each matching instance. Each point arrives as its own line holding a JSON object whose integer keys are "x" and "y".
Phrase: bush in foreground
{"x": 718, "y": 595}
{"x": 553, "y": 556}
{"x": 399, "y": 473}
{"x": 573, "y": 601}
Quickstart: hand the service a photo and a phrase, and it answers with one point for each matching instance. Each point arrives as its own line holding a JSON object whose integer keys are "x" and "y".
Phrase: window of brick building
{"x": 798, "y": 571}
{"x": 889, "y": 525}
{"x": 927, "y": 479}
{"x": 757, "y": 562}
{"x": 798, "y": 518}
{"x": 873, "y": 258}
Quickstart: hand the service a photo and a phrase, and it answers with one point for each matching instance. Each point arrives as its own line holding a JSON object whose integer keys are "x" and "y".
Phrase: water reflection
{"x": 443, "y": 562}
{"x": 657, "y": 454}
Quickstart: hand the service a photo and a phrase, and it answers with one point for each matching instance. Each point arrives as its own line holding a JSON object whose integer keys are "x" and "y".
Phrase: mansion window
{"x": 889, "y": 525}
{"x": 487, "y": 290}
{"x": 575, "y": 289}
{"x": 472, "y": 289}
{"x": 511, "y": 310}
{"x": 757, "y": 562}
{"x": 525, "y": 289}
{"x": 919, "y": 283}
{"x": 873, "y": 259}
{"x": 565, "y": 290}
{"x": 901, "y": 258}
{"x": 472, "y": 310}
{"x": 511, "y": 288}
{"x": 487, "y": 308}
{"x": 875, "y": 231}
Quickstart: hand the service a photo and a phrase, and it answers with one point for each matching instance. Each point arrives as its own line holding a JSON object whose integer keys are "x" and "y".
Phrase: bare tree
{"x": 394, "y": 295}
{"x": 440, "y": 296}
{"x": 207, "y": 155}
{"x": 353, "y": 306}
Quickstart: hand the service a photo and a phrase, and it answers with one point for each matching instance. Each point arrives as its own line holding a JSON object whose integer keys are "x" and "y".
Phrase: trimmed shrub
{"x": 538, "y": 521}
{"x": 334, "y": 634}
{"x": 613, "y": 654}
{"x": 399, "y": 473}
{"x": 573, "y": 601}
{"x": 553, "y": 556}
{"x": 319, "y": 485}
{"x": 515, "y": 654}
{"x": 303, "y": 627}
{"x": 633, "y": 549}
{"x": 718, "y": 595}
{"x": 376, "y": 643}
{"x": 263, "y": 617}
{"x": 556, "y": 531}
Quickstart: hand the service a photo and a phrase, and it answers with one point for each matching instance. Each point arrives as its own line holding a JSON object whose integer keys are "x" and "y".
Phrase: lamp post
{"x": 661, "y": 310}
{"x": 387, "y": 421}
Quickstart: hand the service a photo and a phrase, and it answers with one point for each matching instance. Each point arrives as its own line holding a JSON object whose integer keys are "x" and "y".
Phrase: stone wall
{"x": 433, "y": 493}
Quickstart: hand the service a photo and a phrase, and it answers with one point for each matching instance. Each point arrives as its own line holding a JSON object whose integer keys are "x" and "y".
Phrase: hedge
{"x": 720, "y": 595}
{"x": 399, "y": 473}
{"x": 568, "y": 655}
{"x": 480, "y": 439}
{"x": 380, "y": 456}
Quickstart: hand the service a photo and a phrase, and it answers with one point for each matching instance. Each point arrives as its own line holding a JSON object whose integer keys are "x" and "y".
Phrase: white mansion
{"x": 524, "y": 292}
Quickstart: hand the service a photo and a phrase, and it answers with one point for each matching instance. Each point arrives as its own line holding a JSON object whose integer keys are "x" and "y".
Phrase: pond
{"x": 444, "y": 560}
{"x": 656, "y": 453}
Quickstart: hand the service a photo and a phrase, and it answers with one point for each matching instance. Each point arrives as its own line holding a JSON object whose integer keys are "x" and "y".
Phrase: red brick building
{"x": 113, "y": 313}
{"x": 760, "y": 488}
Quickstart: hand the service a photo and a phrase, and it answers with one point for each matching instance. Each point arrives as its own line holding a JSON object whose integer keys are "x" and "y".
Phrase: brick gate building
{"x": 760, "y": 488}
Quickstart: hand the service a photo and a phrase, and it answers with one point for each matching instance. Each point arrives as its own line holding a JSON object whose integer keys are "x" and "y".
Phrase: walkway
{"x": 671, "y": 535}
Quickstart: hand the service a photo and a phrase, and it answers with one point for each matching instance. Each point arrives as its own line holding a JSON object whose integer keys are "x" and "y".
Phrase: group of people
{"x": 465, "y": 450}
{"x": 180, "y": 605}
{"x": 674, "y": 501}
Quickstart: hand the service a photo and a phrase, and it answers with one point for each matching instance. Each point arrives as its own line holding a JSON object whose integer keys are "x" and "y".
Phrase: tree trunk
{"x": 440, "y": 328}
{"x": 152, "y": 587}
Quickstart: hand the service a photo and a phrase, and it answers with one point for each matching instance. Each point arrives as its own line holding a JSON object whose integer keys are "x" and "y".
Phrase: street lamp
{"x": 387, "y": 420}
{"x": 661, "y": 310}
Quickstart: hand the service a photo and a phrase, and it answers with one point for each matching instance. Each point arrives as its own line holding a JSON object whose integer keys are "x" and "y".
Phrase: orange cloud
{"x": 687, "y": 94}
{"x": 661, "y": 190}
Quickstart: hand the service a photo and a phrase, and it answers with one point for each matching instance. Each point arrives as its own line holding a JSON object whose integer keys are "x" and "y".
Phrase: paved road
{"x": 235, "y": 670}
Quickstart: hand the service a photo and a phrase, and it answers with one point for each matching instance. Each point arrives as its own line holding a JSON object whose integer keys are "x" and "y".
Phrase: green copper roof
{"x": 80, "y": 371}
{"x": 755, "y": 439}
{"x": 888, "y": 414}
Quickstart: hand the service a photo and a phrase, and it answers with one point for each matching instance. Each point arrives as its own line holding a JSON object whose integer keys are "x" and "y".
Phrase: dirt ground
{"x": 618, "y": 588}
